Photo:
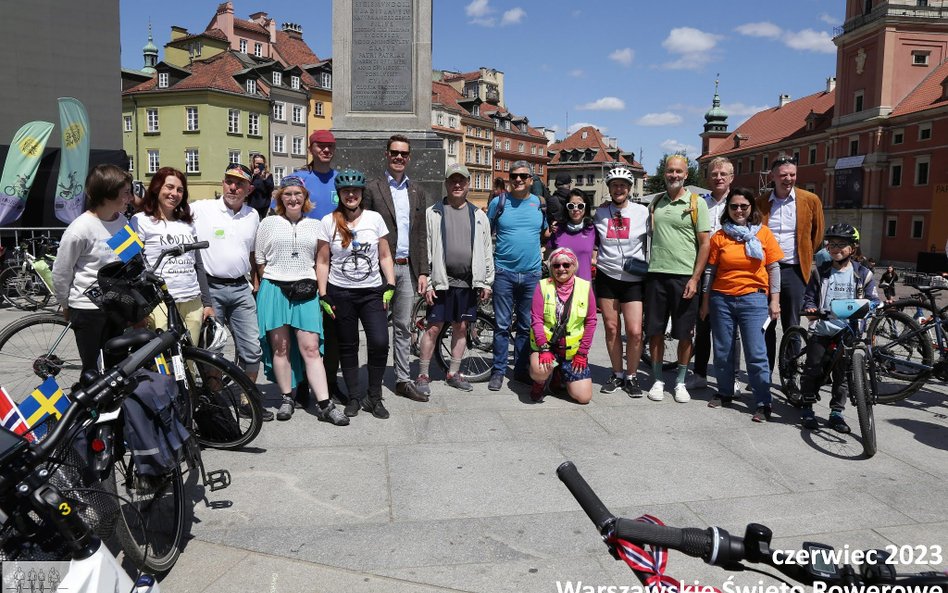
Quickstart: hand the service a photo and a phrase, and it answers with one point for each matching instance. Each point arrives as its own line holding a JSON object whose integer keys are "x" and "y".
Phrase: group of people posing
{"x": 338, "y": 251}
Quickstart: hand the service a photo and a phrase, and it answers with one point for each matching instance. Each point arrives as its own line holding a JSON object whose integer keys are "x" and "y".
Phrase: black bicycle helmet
{"x": 842, "y": 230}
{"x": 349, "y": 178}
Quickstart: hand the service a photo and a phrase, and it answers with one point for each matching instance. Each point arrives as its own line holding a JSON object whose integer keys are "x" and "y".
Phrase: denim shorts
{"x": 566, "y": 368}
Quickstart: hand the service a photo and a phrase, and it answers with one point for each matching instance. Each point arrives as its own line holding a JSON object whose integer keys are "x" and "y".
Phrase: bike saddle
{"x": 128, "y": 341}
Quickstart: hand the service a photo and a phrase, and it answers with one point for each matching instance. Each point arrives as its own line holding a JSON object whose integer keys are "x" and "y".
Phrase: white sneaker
{"x": 657, "y": 392}
{"x": 698, "y": 382}
{"x": 681, "y": 393}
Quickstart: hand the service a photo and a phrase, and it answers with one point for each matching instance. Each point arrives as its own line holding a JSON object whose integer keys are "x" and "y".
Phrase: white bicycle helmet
{"x": 213, "y": 335}
{"x": 622, "y": 173}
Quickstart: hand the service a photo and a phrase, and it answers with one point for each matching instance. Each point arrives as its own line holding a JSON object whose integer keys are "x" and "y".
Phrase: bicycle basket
{"x": 124, "y": 293}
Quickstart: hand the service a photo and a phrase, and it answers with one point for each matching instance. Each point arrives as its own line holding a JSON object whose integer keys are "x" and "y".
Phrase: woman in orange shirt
{"x": 745, "y": 292}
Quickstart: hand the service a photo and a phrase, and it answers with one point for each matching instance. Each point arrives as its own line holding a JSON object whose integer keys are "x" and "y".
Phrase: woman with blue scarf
{"x": 745, "y": 292}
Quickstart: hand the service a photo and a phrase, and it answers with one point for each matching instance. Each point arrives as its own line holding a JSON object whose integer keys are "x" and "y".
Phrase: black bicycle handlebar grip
{"x": 197, "y": 245}
{"x": 584, "y": 495}
{"x": 692, "y": 541}
{"x": 147, "y": 352}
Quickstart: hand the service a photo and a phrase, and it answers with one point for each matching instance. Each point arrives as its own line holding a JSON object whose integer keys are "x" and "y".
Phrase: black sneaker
{"x": 496, "y": 382}
{"x": 631, "y": 386}
{"x": 837, "y": 423}
{"x": 332, "y": 414}
{"x": 376, "y": 408}
{"x": 244, "y": 411}
{"x": 809, "y": 421}
{"x": 352, "y": 407}
{"x": 614, "y": 384}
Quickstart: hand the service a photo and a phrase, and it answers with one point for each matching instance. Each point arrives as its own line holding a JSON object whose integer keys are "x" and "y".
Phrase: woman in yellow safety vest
{"x": 563, "y": 322}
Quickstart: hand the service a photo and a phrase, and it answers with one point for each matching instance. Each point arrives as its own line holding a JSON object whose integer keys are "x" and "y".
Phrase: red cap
{"x": 324, "y": 136}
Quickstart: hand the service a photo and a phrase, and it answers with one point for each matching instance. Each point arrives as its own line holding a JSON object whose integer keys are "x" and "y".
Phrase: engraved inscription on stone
{"x": 382, "y": 35}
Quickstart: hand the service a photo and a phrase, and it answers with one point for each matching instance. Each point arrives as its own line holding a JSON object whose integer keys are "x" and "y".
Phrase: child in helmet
{"x": 840, "y": 278}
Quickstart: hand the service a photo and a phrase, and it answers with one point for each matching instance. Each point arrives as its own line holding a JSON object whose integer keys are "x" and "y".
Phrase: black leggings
{"x": 93, "y": 328}
{"x": 365, "y": 305}
{"x": 818, "y": 357}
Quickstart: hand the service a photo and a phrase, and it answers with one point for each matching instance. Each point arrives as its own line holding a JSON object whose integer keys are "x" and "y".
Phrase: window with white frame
{"x": 477, "y": 155}
{"x": 258, "y": 50}
{"x": 477, "y": 181}
{"x": 251, "y": 86}
{"x": 318, "y": 109}
{"x": 487, "y": 155}
{"x": 895, "y": 173}
{"x": 506, "y": 165}
{"x": 925, "y": 131}
{"x": 131, "y": 164}
{"x": 233, "y": 121}
{"x": 277, "y": 78}
{"x": 279, "y": 143}
{"x": 299, "y": 147}
{"x": 325, "y": 80}
{"x": 162, "y": 80}
{"x": 469, "y": 154}
{"x": 497, "y": 164}
{"x": 253, "y": 124}
{"x": 191, "y": 119}
{"x": 233, "y": 156}
{"x": 921, "y": 169}
{"x": 497, "y": 144}
{"x": 243, "y": 46}
{"x": 533, "y": 149}
{"x": 279, "y": 111}
{"x": 127, "y": 122}
{"x": 506, "y": 144}
{"x": 920, "y": 57}
{"x": 278, "y": 173}
{"x": 452, "y": 122}
{"x": 151, "y": 116}
{"x": 295, "y": 83}
{"x": 452, "y": 147}
{"x": 153, "y": 161}
{"x": 476, "y": 111}
{"x": 891, "y": 226}
{"x": 191, "y": 162}
{"x": 520, "y": 147}
{"x": 539, "y": 168}
{"x": 918, "y": 227}
{"x": 298, "y": 117}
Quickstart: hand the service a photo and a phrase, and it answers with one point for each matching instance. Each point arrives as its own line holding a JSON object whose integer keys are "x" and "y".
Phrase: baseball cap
{"x": 563, "y": 179}
{"x": 238, "y": 170}
{"x": 324, "y": 136}
{"x": 457, "y": 169}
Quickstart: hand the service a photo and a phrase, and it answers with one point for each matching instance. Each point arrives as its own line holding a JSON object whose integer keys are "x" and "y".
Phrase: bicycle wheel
{"x": 478, "y": 358}
{"x": 860, "y": 394}
{"x": 901, "y": 351}
{"x": 10, "y": 280}
{"x": 152, "y": 515}
{"x": 35, "y": 348}
{"x": 791, "y": 360}
{"x": 671, "y": 349}
{"x": 33, "y": 290}
{"x": 226, "y": 404}
{"x": 419, "y": 322}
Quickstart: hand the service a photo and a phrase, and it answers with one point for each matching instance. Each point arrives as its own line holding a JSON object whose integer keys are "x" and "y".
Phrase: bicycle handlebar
{"x": 179, "y": 250}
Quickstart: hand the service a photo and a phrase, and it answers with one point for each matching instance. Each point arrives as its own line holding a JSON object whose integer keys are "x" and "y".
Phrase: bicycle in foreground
{"x": 814, "y": 564}
{"x": 847, "y": 350}
{"x": 41, "y": 519}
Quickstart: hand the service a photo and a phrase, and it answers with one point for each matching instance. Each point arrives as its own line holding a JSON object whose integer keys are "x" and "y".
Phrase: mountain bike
{"x": 27, "y": 280}
{"x": 46, "y": 516}
{"x": 643, "y": 544}
{"x": 847, "y": 350}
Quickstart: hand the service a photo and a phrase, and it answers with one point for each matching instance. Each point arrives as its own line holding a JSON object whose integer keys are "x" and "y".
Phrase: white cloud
{"x": 674, "y": 146}
{"x": 604, "y": 104}
{"x": 688, "y": 40}
{"x": 576, "y": 73}
{"x": 740, "y": 109}
{"x": 666, "y": 118}
{"x": 480, "y": 11}
{"x": 763, "y": 29}
{"x": 830, "y": 20}
{"x": 623, "y": 56}
{"x": 810, "y": 40}
{"x": 583, "y": 124}
{"x": 513, "y": 16}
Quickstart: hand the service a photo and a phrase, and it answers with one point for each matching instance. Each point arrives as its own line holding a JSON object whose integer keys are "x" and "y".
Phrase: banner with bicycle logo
{"x": 70, "y": 194}
{"x": 20, "y": 168}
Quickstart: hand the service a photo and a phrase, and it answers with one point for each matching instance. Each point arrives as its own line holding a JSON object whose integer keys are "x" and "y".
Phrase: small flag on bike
{"x": 10, "y": 416}
{"x": 47, "y": 399}
{"x": 161, "y": 364}
{"x": 125, "y": 244}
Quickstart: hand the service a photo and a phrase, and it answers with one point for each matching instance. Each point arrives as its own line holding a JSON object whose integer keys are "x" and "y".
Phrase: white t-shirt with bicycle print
{"x": 357, "y": 265}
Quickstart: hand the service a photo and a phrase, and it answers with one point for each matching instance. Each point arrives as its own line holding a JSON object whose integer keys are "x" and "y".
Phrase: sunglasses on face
{"x": 835, "y": 245}
{"x": 402, "y": 153}
{"x": 575, "y": 206}
{"x": 520, "y": 176}
{"x": 561, "y": 265}
{"x": 739, "y": 206}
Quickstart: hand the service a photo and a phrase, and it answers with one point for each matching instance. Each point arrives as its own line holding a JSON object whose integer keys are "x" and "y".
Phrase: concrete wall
{"x": 49, "y": 51}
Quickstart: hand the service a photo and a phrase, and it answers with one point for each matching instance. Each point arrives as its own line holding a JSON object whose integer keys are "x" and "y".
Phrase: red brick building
{"x": 586, "y": 155}
{"x": 872, "y": 144}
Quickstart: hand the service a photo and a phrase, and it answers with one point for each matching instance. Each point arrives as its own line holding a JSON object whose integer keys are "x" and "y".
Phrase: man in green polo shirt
{"x": 679, "y": 252}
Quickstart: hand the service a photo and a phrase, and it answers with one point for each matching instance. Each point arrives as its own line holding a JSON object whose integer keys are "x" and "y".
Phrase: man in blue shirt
{"x": 519, "y": 221}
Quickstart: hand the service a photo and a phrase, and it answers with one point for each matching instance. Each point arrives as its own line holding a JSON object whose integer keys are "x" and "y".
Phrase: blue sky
{"x": 641, "y": 71}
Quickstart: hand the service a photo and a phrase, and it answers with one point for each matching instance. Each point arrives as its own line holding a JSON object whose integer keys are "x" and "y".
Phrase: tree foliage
{"x": 656, "y": 183}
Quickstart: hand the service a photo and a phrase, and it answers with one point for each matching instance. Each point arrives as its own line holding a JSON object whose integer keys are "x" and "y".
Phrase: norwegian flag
{"x": 11, "y": 417}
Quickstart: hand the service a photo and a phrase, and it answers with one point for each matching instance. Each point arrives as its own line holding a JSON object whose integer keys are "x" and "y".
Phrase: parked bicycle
{"x": 478, "y": 357}
{"x": 26, "y": 281}
{"x": 847, "y": 349}
{"x": 643, "y": 543}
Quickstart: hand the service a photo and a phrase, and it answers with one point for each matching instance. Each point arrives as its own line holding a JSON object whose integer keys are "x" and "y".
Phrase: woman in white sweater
{"x": 82, "y": 253}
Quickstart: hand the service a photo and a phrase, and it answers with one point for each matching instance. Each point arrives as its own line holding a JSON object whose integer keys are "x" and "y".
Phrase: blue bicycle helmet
{"x": 350, "y": 178}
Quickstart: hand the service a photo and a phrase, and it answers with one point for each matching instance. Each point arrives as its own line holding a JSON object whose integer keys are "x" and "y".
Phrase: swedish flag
{"x": 161, "y": 365}
{"x": 126, "y": 243}
{"x": 46, "y": 399}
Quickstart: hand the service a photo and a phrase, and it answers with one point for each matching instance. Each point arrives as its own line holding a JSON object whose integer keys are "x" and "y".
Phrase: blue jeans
{"x": 235, "y": 306}
{"x": 747, "y": 312}
{"x": 513, "y": 289}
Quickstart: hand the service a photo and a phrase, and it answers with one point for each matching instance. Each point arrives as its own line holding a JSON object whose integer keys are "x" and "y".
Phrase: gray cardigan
{"x": 482, "y": 256}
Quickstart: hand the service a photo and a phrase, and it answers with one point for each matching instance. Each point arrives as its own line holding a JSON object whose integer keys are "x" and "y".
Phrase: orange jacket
{"x": 809, "y": 226}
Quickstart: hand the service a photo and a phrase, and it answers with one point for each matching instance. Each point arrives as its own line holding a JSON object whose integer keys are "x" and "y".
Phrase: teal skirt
{"x": 273, "y": 312}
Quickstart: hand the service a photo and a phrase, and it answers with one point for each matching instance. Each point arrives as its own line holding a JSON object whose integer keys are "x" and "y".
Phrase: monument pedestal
{"x": 382, "y": 86}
